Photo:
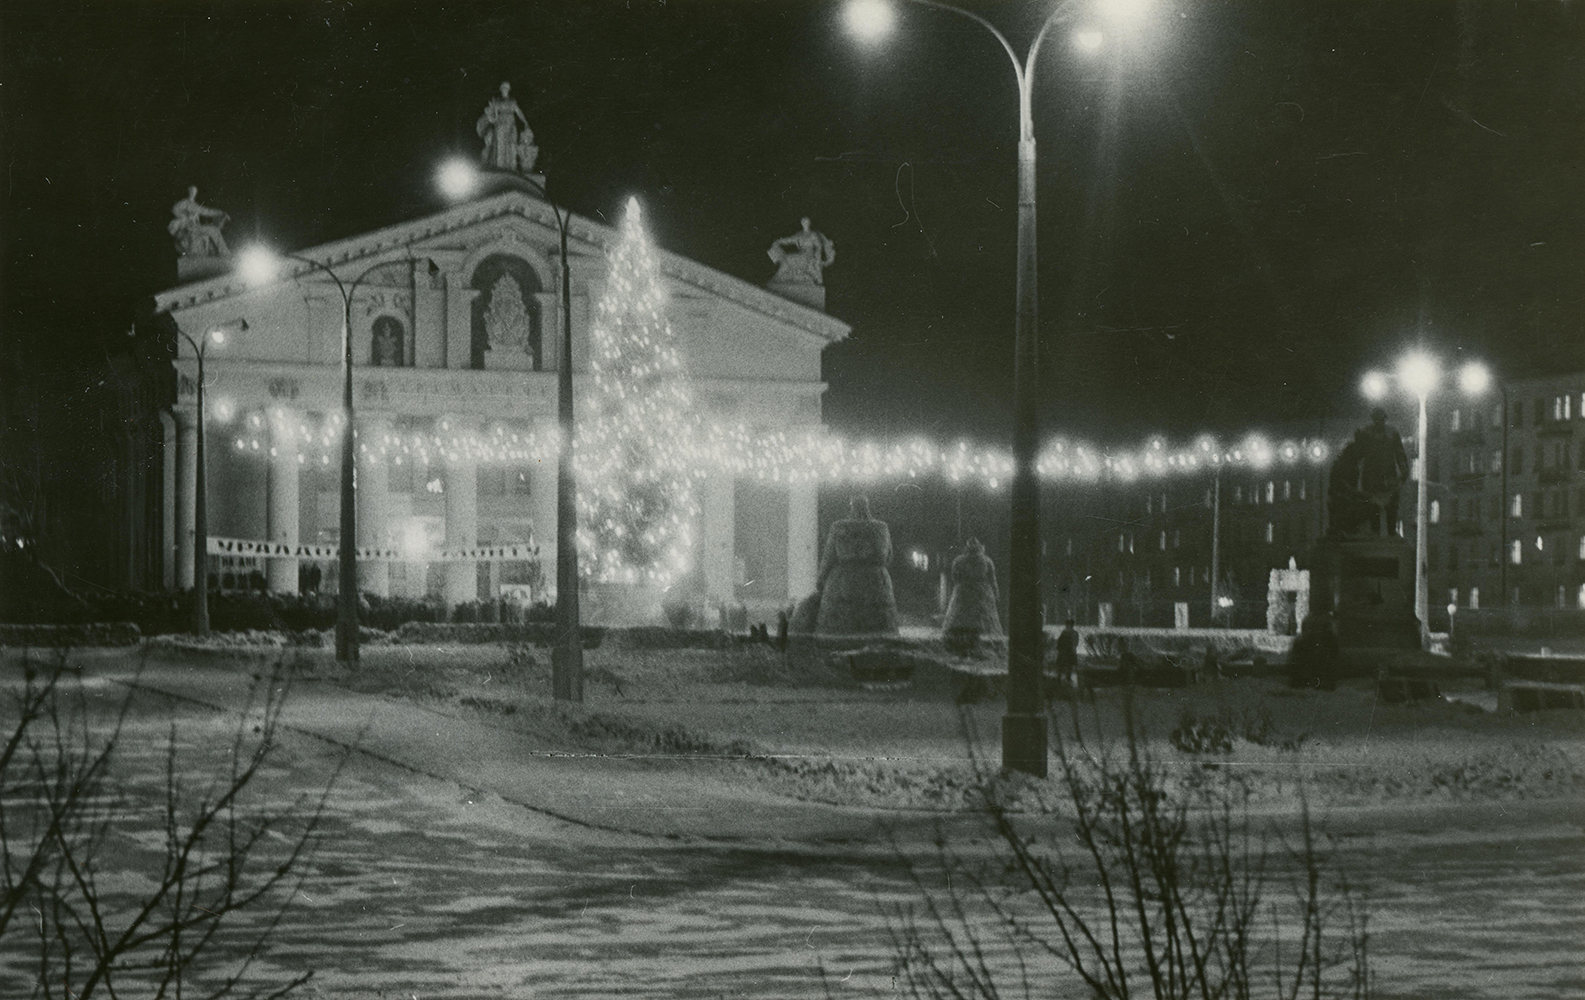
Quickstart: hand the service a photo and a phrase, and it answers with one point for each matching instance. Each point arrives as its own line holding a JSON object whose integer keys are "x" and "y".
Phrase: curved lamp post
{"x": 217, "y": 337}
{"x": 458, "y": 179}
{"x": 260, "y": 265}
{"x": 1024, "y": 725}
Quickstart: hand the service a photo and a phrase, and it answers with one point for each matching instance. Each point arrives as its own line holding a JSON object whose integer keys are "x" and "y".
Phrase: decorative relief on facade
{"x": 284, "y": 388}
{"x": 387, "y": 343}
{"x": 507, "y": 323}
{"x": 375, "y": 302}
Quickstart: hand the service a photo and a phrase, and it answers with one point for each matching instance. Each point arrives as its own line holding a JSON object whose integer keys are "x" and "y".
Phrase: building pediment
{"x": 511, "y": 223}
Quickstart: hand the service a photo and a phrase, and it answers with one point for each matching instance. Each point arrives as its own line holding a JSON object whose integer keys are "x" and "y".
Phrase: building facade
{"x": 1507, "y": 510}
{"x": 455, "y": 334}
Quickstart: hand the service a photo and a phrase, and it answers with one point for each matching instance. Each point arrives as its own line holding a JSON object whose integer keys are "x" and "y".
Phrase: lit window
{"x": 1516, "y": 552}
{"x": 1540, "y": 544}
{"x": 1271, "y": 491}
{"x": 1287, "y": 489}
{"x": 1177, "y": 537}
{"x": 1301, "y": 489}
{"x": 1452, "y": 595}
{"x": 1147, "y": 505}
{"x": 1436, "y": 511}
{"x": 1474, "y": 598}
{"x": 1496, "y": 461}
{"x": 1580, "y": 600}
{"x": 1562, "y": 596}
{"x": 1177, "y": 576}
{"x": 1163, "y": 503}
{"x": 920, "y": 560}
{"x": 1516, "y": 505}
{"x": 1453, "y": 421}
{"x": 1238, "y": 494}
{"x": 1163, "y": 545}
{"x": 1271, "y": 532}
{"x": 1122, "y": 542}
{"x": 1582, "y": 546}
{"x": 1496, "y": 416}
{"x": 1130, "y": 542}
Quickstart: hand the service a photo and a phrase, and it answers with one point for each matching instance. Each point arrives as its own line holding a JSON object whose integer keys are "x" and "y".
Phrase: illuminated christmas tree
{"x": 636, "y": 500}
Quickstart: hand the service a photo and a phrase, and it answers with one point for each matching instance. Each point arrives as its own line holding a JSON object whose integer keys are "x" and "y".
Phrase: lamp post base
{"x": 1024, "y": 744}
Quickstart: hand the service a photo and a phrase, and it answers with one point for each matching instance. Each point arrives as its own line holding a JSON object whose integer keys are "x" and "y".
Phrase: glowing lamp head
{"x": 457, "y": 179}
{"x": 258, "y": 265}
{"x": 1474, "y": 378}
{"x": 635, "y": 212}
{"x": 1124, "y": 13}
{"x": 1374, "y": 386}
{"x": 1418, "y": 373}
{"x": 1088, "y": 40}
{"x": 217, "y": 336}
{"x": 224, "y": 409}
{"x": 869, "y": 21}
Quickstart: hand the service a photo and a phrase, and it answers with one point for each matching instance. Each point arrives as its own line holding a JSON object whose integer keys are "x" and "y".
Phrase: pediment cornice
{"x": 430, "y": 234}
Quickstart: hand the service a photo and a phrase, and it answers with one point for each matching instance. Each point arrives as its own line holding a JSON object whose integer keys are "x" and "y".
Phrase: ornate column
{"x": 281, "y": 511}
{"x": 459, "y": 321}
{"x": 462, "y": 521}
{"x": 374, "y": 575}
{"x": 803, "y": 539}
{"x": 186, "y": 494}
{"x": 719, "y": 517}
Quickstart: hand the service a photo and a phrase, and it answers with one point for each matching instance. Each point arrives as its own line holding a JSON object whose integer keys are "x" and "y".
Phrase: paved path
{"x": 432, "y": 879}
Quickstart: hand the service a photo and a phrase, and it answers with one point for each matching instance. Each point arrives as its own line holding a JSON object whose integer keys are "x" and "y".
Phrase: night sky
{"x": 1242, "y": 207}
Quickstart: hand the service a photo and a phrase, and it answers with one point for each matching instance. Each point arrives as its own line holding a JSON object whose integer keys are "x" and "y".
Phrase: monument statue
{"x": 973, "y": 605}
{"x": 853, "y": 595}
{"x": 1367, "y": 479}
{"x": 508, "y": 141}
{"x": 196, "y": 235}
{"x": 801, "y": 259}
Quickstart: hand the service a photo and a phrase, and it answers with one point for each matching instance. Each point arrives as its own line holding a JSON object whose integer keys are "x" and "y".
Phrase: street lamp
{"x": 459, "y": 179}
{"x": 217, "y": 337}
{"x": 1024, "y": 726}
{"x": 1420, "y": 373}
{"x": 259, "y": 265}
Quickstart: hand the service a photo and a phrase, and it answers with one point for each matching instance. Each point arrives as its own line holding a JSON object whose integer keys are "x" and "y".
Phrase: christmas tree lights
{"x": 636, "y": 505}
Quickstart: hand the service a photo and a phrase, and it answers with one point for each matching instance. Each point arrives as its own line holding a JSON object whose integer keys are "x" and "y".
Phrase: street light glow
{"x": 1418, "y": 373}
{"x": 870, "y": 20}
{"x": 1474, "y": 378}
{"x": 257, "y": 265}
{"x": 1374, "y": 386}
{"x": 1125, "y": 13}
{"x": 1088, "y": 40}
{"x": 458, "y": 178}
{"x": 217, "y": 336}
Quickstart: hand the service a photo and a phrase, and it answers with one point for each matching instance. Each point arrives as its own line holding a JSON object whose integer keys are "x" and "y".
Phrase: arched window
{"x": 388, "y": 343}
{"x": 506, "y": 312}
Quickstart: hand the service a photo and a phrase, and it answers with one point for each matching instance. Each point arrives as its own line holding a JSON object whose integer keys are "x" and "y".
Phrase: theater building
{"x": 455, "y": 339}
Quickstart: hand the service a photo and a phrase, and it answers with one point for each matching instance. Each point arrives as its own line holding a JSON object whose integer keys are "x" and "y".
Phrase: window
{"x": 1516, "y": 552}
{"x": 1238, "y": 494}
{"x": 1436, "y": 511}
{"x": 1070, "y": 545}
{"x": 1177, "y": 576}
{"x": 1452, "y": 596}
{"x": 1177, "y": 537}
{"x": 398, "y": 476}
{"x": 1147, "y": 505}
{"x": 1301, "y": 489}
{"x": 1539, "y": 417}
{"x": 1540, "y": 544}
{"x": 1474, "y": 598}
{"x": 1518, "y": 415}
{"x": 1287, "y": 489}
{"x": 1562, "y": 407}
{"x": 1208, "y": 500}
{"x": 1562, "y": 596}
{"x": 1122, "y": 542}
{"x": 1516, "y": 505}
{"x": 1516, "y": 463}
{"x": 1452, "y": 557}
{"x": 1271, "y": 491}
{"x": 1496, "y": 416}
{"x": 1496, "y": 461}
{"x": 1271, "y": 532}
{"x": 1453, "y": 421}
{"x": 1163, "y": 503}
{"x": 1580, "y": 599}
{"x": 1582, "y": 546}
{"x": 1163, "y": 545}
{"x": 1130, "y": 542}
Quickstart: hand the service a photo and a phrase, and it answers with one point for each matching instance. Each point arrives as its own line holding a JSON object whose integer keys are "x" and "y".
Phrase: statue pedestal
{"x": 803, "y": 293}
{"x": 1368, "y": 582}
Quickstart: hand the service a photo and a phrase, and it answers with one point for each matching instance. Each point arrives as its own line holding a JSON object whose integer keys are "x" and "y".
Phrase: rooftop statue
{"x": 802, "y": 258}
{"x": 508, "y": 141}
{"x": 196, "y": 235}
{"x": 1366, "y": 480}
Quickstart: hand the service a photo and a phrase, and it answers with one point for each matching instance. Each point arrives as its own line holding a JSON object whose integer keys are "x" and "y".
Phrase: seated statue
{"x": 973, "y": 605}
{"x": 854, "y": 589}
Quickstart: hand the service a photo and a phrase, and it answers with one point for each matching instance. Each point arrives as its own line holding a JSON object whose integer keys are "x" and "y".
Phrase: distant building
{"x": 1507, "y": 515}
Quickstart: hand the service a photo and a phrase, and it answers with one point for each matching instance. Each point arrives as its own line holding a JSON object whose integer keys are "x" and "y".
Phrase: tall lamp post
{"x": 200, "y": 499}
{"x": 460, "y": 179}
{"x": 1024, "y": 725}
{"x": 260, "y": 265}
{"x": 1420, "y": 374}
